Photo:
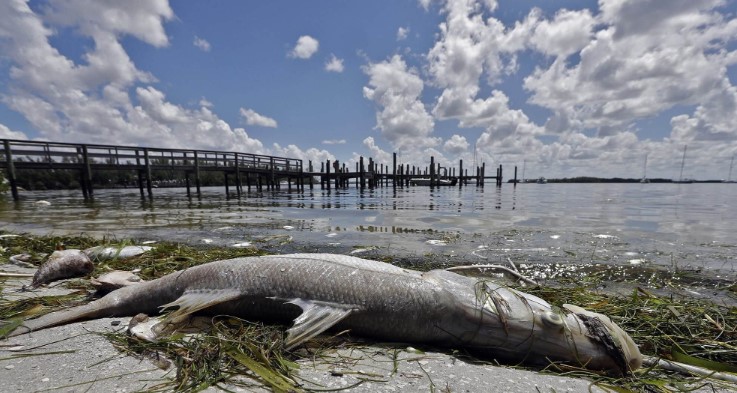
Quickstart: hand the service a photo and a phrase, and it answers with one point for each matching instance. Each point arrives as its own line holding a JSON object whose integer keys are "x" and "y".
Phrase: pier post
{"x": 148, "y": 173}
{"x": 432, "y": 171}
{"x": 362, "y": 173}
{"x": 87, "y": 173}
{"x": 227, "y": 188}
{"x": 460, "y": 174}
{"x": 238, "y": 184}
{"x": 312, "y": 177}
{"x": 197, "y": 174}
{"x": 11, "y": 170}
{"x": 327, "y": 174}
{"x": 483, "y": 174}
{"x": 272, "y": 173}
{"x": 394, "y": 171}
{"x": 515, "y": 175}
{"x": 186, "y": 182}
{"x": 139, "y": 171}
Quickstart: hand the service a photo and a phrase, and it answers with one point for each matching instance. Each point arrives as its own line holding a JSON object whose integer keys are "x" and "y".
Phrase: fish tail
{"x": 83, "y": 312}
{"x": 124, "y": 301}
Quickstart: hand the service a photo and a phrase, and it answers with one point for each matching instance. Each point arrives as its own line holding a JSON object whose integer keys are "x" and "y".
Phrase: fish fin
{"x": 195, "y": 300}
{"x": 316, "y": 318}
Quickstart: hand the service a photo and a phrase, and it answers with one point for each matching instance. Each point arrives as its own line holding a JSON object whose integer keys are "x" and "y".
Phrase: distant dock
{"x": 243, "y": 171}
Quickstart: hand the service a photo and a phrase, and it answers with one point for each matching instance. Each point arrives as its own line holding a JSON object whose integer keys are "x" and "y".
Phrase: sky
{"x": 557, "y": 88}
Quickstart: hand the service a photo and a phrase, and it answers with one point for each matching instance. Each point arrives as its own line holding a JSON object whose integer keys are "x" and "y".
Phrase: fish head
{"x": 516, "y": 325}
{"x": 602, "y": 330}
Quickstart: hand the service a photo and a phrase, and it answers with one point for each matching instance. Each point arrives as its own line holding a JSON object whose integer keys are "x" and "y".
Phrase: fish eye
{"x": 551, "y": 319}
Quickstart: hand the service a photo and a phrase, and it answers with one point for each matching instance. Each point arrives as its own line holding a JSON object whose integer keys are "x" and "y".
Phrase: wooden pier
{"x": 244, "y": 170}
{"x": 259, "y": 171}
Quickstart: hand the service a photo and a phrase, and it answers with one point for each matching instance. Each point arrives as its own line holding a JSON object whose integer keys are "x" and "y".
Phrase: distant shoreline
{"x": 587, "y": 179}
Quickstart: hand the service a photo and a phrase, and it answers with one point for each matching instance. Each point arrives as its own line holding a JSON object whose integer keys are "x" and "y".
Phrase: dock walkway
{"x": 247, "y": 170}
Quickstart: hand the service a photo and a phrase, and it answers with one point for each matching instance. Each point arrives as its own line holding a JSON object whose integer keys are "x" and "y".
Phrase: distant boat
{"x": 542, "y": 180}
{"x": 681, "y": 180}
{"x": 436, "y": 182}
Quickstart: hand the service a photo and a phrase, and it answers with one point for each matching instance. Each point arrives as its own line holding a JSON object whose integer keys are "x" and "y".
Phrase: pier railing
{"x": 86, "y": 158}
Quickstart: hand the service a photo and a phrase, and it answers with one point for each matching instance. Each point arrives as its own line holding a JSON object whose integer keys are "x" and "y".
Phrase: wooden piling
{"x": 147, "y": 165}
{"x": 197, "y": 181}
{"x": 327, "y": 174}
{"x": 432, "y": 171}
{"x": 11, "y": 171}
{"x": 87, "y": 173}
{"x": 238, "y": 184}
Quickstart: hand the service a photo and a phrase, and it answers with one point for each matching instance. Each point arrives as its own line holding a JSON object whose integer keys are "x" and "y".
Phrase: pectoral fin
{"x": 316, "y": 317}
{"x": 196, "y": 300}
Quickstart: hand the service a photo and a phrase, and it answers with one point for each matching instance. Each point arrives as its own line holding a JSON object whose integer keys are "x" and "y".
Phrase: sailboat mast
{"x": 524, "y": 166}
{"x": 683, "y": 161}
{"x": 644, "y": 168}
{"x": 731, "y": 163}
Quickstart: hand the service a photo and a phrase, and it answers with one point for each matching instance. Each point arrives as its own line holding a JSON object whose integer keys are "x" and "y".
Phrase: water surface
{"x": 686, "y": 226}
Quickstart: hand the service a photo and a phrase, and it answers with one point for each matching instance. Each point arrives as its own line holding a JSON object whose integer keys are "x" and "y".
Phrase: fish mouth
{"x": 610, "y": 338}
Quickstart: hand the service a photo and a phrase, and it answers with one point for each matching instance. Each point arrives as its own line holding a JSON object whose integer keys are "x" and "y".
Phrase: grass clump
{"x": 233, "y": 353}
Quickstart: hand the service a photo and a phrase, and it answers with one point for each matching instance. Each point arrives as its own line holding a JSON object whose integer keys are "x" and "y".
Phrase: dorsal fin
{"x": 316, "y": 318}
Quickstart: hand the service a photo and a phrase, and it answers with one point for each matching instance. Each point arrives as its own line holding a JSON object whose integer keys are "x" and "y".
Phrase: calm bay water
{"x": 691, "y": 225}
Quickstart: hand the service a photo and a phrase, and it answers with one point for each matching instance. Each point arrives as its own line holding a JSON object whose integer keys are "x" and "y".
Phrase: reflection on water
{"x": 678, "y": 212}
{"x": 553, "y": 215}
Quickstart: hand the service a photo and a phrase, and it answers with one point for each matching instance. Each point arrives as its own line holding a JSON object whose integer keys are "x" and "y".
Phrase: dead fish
{"x": 115, "y": 279}
{"x": 25, "y": 260}
{"x": 62, "y": 264}
{"x": 101, "y": 253}
{"x": 374, "y": 299}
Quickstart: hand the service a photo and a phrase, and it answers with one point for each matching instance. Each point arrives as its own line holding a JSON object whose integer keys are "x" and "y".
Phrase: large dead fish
{"x": 321, "y": 291}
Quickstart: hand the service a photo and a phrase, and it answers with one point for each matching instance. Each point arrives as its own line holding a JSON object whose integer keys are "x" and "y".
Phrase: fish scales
{"x": 322, "y": 291}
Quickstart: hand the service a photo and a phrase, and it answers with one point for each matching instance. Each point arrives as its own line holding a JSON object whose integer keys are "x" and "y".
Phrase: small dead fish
{"x": 101, "y": 253}
{"x": 115, "y": 279}
{"x": 62, "y": 264}
{"x": 25, "y": 259}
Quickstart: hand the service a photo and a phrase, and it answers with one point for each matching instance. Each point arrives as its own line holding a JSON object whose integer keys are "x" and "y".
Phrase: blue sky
{"x": 565, "y": 88}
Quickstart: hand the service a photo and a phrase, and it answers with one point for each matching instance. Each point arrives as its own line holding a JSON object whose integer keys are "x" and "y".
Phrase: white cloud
{"x": 334, "y": 64}
{"x": 204, "y": 102}
{"x": 312, "y": 154}
{"x": 141, "y": 19}
{"x": 256, "y": 119}
{"x": 567, "y": 33}
{"x": 379, "y": 155}
{"x": 74, "y": 102}
{"x": 306, "y": 47}
{"x": 334, "y": 142}
{"x": 402, "y": 33}
{"x": 644, "y": 59}
{"x": 202, "y": 44}
{"x": 7, "y": 133}
{"x": 402, "y": 117}
{"x": 457, "y": 144}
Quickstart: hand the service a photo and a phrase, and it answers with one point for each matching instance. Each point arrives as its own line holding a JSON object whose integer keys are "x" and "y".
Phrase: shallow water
{"x": 676, "y": 226}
